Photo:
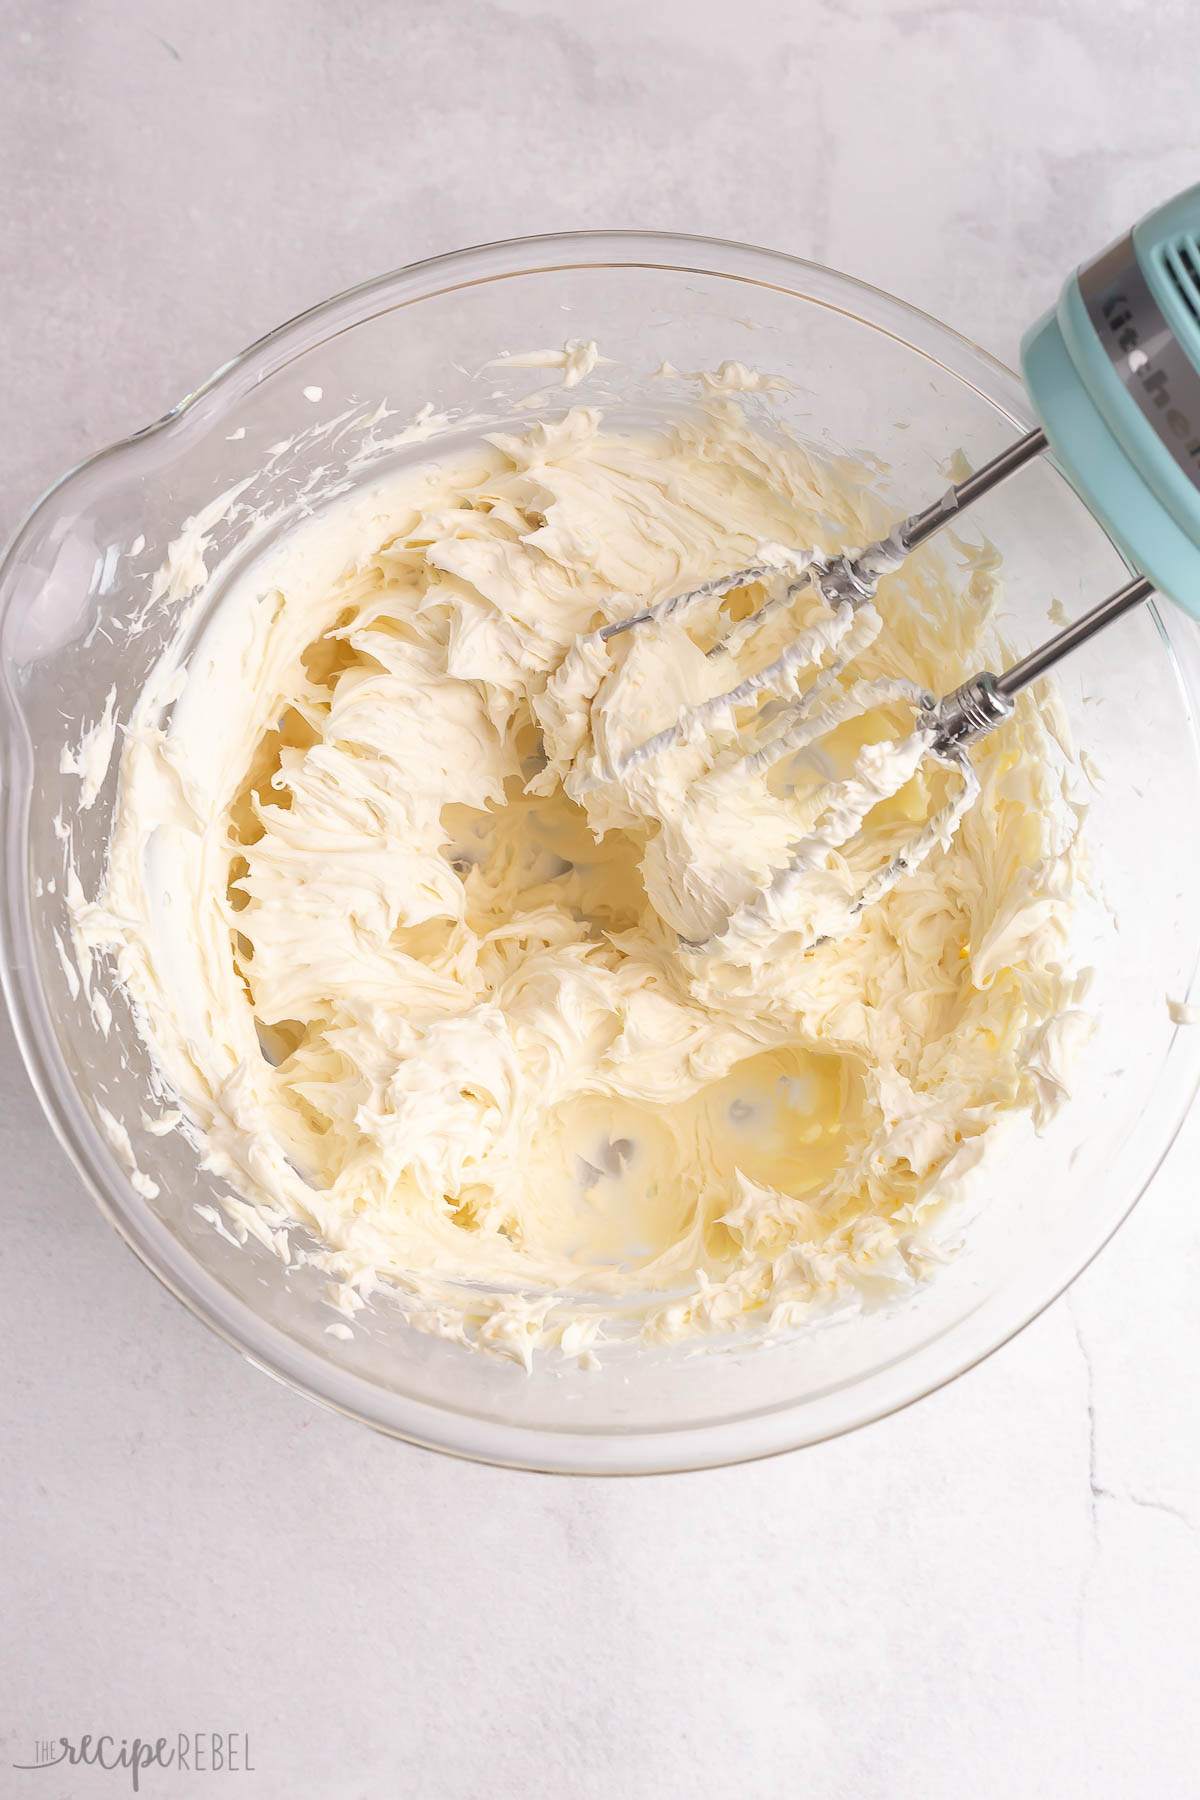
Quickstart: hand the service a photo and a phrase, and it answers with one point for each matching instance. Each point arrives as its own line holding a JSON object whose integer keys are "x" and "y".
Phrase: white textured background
{"x": 996, "y": 1594}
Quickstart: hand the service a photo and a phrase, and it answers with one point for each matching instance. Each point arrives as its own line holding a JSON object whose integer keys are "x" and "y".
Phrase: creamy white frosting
{"x": 91, "y": 757}
{"x": 416, "y": 967}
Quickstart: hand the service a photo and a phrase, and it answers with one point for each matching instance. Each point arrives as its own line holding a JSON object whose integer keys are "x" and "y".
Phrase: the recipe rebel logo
{"x": 195, "y": 1753}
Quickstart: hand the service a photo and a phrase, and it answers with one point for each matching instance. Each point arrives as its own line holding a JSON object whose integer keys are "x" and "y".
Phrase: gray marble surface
{"x": 995, "y": 1593}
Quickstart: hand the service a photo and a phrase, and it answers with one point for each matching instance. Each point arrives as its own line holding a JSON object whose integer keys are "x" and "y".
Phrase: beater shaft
{"x": 984, "y": 702}
{"x": 849, "y": 578}
{"x": 855, "y": 578}
{"x": 922, "y": 525}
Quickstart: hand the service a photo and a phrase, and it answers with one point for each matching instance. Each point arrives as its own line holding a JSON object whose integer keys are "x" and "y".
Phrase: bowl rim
{"x": 745, "y": 1437}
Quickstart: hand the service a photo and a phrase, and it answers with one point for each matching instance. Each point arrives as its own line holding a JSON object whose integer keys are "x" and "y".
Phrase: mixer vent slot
{"x": 1181, "y": 265}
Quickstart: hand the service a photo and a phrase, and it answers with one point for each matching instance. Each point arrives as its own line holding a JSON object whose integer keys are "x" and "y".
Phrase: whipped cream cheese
{"x": 418, "y": 972}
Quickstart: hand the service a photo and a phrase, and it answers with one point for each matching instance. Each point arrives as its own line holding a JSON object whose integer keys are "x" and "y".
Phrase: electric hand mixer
{"x": 1114, "y": 376}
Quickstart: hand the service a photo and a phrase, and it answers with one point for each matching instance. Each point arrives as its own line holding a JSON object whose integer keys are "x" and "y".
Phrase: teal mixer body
{"x": 1114, "y": 376}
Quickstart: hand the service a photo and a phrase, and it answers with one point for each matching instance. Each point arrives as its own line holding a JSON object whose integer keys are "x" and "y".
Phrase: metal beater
{"x": 1114, "y": 377}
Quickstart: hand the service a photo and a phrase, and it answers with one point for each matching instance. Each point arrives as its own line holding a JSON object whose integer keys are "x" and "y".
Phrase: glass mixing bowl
{"x": 296, "y": 418}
